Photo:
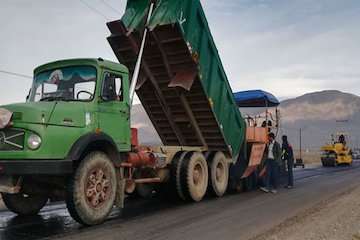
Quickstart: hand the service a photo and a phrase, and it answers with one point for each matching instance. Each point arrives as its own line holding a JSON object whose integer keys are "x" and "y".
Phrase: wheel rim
{"x": 98, "y": 187}
{"x": 198, "y": 175}
{"x": 220, "y": 172}
{"x": 199, "y": 180}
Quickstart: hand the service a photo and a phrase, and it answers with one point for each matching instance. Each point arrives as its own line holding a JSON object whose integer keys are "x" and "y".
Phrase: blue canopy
{"x": 255, "y": 98}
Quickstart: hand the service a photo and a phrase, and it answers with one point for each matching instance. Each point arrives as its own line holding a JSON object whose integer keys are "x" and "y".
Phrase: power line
{"x": 16, "y": 74}
{"x": 88, "y": 6}
{"x": 94, "y": 9}
{"x": 111, "y": 7}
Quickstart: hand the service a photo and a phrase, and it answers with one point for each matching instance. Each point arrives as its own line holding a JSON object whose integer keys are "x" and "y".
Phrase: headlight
{"x": 34, "y": 142}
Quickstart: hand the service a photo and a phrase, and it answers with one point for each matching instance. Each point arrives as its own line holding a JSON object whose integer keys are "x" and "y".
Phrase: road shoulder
{"x": 337, "y": 218}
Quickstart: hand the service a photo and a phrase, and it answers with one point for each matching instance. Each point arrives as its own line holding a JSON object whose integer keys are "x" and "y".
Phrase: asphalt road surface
{"x": 237, "y": 216}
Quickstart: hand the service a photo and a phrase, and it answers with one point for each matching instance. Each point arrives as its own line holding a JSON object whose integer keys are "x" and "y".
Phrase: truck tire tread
{"x": 75, "y": 197}
{"x": 186, "y": 179}
{"x": 215, "y": 188}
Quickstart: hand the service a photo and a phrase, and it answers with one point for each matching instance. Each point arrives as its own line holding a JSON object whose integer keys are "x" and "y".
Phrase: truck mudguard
{"x": 98, "y": 141}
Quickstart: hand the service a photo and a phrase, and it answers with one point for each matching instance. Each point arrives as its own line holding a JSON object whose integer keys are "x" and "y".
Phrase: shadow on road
{"x": 33, "y": 227}
{"x": 54, "y": 220}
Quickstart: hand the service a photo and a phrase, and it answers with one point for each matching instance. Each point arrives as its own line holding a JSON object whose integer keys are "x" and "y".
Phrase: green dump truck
{"x": 72, "y": 139}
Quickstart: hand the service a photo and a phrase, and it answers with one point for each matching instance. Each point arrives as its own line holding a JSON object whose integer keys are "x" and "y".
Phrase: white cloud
{"x": 292, "y": 47}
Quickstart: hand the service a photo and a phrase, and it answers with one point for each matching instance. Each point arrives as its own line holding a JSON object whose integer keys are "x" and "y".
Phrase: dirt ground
{"x": 335, "y": 219}
{"x": 309, "y": 157}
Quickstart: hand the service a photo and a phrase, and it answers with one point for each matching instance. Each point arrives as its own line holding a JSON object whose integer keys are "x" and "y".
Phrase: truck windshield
{"x": 75, "y": 83}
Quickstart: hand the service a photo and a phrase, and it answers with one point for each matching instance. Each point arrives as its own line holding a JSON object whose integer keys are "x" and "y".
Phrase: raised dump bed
{"x": 183, "y": 86}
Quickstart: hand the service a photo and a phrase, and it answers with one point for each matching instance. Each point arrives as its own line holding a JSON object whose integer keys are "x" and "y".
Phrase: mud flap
{"x": 120, "y": 188}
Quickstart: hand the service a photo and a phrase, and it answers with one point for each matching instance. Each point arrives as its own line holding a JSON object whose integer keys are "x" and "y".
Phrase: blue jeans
{"x": 290, "y": 165}
{"x": 272, "y": 173}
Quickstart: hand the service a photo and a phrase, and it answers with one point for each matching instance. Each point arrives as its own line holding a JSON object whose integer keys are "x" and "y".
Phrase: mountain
{"x": 318, "y": 114}
{"x": 321, "y": 114}
{"x": 321, "y": 106}
{"x": 146, "y": 131}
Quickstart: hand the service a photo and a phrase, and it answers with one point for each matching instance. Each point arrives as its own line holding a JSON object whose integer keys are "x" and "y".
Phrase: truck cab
{"x": 68, "y": 99}
{"x": 74, "y": 107}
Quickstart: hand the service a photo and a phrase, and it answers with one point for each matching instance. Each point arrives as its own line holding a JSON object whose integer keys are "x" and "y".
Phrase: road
{"x": 237, "y": 216}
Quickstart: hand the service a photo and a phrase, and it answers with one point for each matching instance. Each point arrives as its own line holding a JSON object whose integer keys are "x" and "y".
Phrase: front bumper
{"x": 35, "y": 167}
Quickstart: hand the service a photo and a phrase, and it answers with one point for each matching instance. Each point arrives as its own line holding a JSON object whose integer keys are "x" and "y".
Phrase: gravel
{"x": 334, "y": 219}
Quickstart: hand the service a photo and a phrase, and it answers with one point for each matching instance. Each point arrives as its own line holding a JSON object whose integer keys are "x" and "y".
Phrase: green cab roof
{"x": 96, "y": 62}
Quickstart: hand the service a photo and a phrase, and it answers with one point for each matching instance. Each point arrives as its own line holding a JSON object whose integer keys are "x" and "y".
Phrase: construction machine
{"x": 337, "y": 152}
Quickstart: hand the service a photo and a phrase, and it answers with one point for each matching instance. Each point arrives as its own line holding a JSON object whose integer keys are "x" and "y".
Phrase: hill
{"x": 325, "y": 105}
{"x": 321, "y": 114}
{"x": 146, "y": 131}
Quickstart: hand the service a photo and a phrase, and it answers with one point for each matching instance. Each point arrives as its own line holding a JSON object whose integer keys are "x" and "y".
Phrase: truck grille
{"x": 11, "y": 140}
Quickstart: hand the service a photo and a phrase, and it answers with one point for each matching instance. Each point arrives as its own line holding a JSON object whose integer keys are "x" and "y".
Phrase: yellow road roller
{"x": 336, "y": 153}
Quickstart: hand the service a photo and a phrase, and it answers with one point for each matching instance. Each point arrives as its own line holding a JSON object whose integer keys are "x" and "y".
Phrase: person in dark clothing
{"x": 288, "y": 157}
{"x": 342, "y": 139}
{"x": 272, "y": 165}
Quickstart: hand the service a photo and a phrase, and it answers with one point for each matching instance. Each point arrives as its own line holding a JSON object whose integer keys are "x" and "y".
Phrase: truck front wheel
{"x": 92, "y": 189}
{"x": 23, "y": 204}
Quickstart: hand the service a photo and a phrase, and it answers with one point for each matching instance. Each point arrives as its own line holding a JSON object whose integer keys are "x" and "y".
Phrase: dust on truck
{"x": 72, "y": 139}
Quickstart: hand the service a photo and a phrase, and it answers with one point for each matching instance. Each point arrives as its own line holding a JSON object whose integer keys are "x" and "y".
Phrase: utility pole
{"x": 299, "y": 161}
{"x": 300, "y": 132}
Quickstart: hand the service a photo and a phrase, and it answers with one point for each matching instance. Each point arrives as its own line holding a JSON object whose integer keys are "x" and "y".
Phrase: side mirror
{"x": 28, "y": 96}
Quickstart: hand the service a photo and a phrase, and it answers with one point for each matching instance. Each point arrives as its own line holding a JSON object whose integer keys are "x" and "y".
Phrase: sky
{"x": 287, "y": 47}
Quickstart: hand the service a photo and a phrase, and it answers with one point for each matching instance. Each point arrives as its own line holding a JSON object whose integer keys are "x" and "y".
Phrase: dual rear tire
{"x": 196, "y": 174}
{"x": 191, "y": 176}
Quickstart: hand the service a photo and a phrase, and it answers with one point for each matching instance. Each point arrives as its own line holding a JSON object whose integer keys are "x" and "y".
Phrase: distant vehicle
{"x": 337, "y": 152}
{"x": 356, "y": 153}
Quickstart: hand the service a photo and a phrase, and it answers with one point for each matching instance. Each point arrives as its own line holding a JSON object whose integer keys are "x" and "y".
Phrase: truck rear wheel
{"x": 219, "y": 174}
{"x": 23, "y": 204}
{"x": 172, "y": 190}
{"x": 92, "y": 189}
{"x": 178, "y": 162}
{"x": 193, "y": 176}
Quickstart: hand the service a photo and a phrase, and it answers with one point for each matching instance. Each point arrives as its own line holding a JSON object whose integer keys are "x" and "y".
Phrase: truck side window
{"x": 112, "y": 88}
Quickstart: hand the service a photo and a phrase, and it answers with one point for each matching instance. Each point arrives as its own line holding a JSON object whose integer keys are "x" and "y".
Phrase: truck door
{"x": 114, "y": 110}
